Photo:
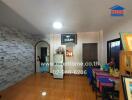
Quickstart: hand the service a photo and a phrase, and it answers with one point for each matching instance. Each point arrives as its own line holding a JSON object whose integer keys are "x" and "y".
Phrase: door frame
{"x": 41, "y": 52}
{"x": 36, "y": 54}
{"x": 118, "y": 39}
{"x": 109, "y": 55}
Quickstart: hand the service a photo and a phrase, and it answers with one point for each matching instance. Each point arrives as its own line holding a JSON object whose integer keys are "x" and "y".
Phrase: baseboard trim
{"x": 73, "y": 74}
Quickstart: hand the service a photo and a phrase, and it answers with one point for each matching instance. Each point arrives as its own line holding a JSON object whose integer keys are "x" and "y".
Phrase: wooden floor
{"x": 72, "y": 87}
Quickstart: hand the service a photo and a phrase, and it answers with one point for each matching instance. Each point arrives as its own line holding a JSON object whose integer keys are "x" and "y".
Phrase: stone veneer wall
{"x": 16, "y": 56}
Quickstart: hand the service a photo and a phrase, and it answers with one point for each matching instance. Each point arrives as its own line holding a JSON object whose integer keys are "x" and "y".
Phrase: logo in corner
{"x": 117, "y": 10}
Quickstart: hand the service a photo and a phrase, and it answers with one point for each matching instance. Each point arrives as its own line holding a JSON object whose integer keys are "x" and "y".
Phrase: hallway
{"x": 72, "y": 87}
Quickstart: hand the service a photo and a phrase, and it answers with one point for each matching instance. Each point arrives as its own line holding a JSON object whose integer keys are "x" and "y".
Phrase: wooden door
{"x": 90, "y": 54}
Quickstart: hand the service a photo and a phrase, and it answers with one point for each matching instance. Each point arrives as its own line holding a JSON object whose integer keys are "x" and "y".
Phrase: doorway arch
{"x": 39, "y": 46}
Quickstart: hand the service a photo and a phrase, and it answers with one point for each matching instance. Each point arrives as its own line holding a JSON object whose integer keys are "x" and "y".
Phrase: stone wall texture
{"x": 16, "y": 56}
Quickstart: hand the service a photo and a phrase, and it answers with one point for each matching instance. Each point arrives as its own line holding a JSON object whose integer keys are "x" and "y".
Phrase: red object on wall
{"x": 69, "y": 52}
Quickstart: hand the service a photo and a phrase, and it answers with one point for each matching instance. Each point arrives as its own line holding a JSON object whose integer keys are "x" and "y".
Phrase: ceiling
{"x": 76, "y": 15}
{"x": 9, "y": 18}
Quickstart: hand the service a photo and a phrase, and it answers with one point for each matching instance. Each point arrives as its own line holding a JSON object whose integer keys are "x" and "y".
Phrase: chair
{"x": 89, "y": 74}
{"x": 108, "y": 93}
{"x": 106, "y": 90}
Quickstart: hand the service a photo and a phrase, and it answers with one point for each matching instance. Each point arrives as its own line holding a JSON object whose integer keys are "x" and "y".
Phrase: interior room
{"x": 65, "y": 50}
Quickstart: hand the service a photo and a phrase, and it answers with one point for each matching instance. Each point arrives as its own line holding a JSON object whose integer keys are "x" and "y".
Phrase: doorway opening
{"x": 43, "y": 54}
{"x": 113, "y": 50}
{"x": 42, "y": 57}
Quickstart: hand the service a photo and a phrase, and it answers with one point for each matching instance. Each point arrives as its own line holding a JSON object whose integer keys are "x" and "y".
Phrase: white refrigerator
{"x": 58, "y": 67}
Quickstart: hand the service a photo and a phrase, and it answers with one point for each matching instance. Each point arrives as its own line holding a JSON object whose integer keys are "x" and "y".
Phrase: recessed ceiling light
{"x": 44, "y": 93}
{"x": 57, "y": 25}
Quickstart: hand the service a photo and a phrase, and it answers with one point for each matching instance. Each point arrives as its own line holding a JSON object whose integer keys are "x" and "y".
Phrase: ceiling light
{"x": 44, "y": 93}
{"x": 57, "y": 25}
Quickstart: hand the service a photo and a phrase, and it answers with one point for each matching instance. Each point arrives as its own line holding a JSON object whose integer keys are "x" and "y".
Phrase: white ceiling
{"x": 76, "y": 15}
{"x": 9, "y": 18}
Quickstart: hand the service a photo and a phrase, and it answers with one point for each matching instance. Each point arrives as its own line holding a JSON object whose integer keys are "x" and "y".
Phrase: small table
{"x": 99, "y": 73}
{"x": 102, "y": 74}
{"x": 105, "y": 82}
{"x": 106, "y": 87}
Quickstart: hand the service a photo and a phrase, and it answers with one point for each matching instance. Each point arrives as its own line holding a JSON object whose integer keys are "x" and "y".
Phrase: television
{"x": 68, "y": 38}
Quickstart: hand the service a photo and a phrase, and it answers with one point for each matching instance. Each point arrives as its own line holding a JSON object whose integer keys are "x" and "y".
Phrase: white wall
{"x": 84, "y": 37}
{"x": 91, "y": 37}
{"x": 113, "y": 33}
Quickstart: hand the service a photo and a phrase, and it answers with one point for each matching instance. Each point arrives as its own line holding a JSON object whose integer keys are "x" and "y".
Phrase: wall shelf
{"x": 125, "y": 67}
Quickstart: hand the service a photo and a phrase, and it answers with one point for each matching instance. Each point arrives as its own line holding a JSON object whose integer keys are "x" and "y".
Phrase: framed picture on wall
{"x": 69, "y": 38}
{"x": 127, "y": 87}
{"x": 69, "y": 51}
{"x": 127, "y": 41}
